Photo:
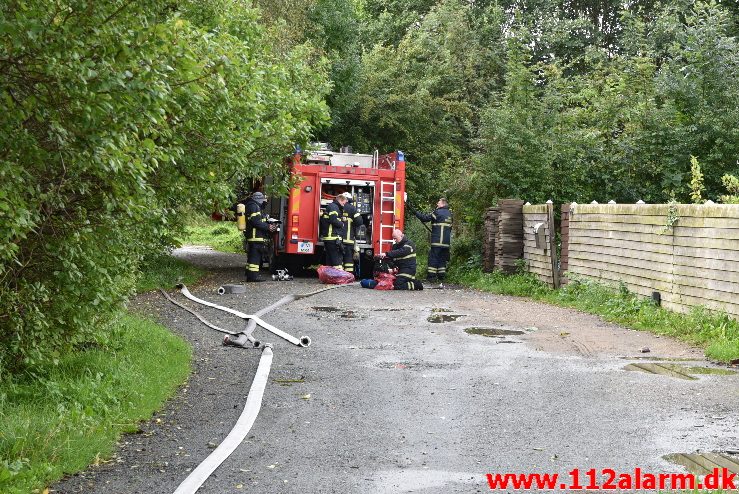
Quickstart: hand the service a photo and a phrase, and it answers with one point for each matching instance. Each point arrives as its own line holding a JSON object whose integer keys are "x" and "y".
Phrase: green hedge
{"x": 115, "y": 116}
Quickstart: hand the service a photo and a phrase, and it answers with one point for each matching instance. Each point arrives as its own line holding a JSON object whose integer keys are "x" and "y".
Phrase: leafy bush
{"x": 114, "y": 116}
{"x": 732, "y": 186}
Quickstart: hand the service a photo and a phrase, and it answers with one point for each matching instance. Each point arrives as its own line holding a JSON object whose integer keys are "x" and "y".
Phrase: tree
{"x": 424, "y": 96}
{"x": 115, "y": 116}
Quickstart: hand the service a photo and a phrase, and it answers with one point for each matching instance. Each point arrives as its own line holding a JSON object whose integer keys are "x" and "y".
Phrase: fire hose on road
{"x": 253, "y": 403}
{"x": 197, "y": 477}
{"x": 304, "y": 341}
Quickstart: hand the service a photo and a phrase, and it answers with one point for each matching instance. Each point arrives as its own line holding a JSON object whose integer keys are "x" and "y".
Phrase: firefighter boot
{"x": 440, "y": 279}
{"x": 253, "y": 276}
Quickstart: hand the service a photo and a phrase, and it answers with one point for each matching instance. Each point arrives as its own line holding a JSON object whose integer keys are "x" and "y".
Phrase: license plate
{"x": 305, "y": 247}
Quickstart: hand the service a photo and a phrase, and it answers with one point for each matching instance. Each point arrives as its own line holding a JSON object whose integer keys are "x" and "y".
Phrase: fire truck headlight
{"x": 308, "y": 188}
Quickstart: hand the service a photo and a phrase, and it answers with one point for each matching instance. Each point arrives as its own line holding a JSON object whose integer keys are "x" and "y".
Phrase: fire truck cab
{"x": 376, "y": 183}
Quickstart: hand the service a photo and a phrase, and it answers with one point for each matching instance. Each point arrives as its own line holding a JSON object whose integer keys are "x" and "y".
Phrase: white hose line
{"x": 253, "y": 403}
{"x": 192, "y": 297}
{"x": 194, "y": 313}
{"x": 303, "y": 341}
{"x": 202, "y": 472}
{"x": 252, "y": 325}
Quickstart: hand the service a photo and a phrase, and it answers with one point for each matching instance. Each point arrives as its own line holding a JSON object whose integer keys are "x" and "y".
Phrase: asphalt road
{"x": 386, "y": 401}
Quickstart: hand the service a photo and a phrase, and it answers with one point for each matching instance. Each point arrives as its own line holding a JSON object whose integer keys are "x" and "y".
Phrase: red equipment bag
{"x": 333, "y": 276}
{"x": 384, "y": 281}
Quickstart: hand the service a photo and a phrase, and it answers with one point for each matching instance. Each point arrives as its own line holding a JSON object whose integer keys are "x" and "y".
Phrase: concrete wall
{"x": 694, "y": 262}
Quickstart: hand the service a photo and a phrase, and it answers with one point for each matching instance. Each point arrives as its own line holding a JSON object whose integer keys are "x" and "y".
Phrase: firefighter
{"x": 403, "y": 256}
{"x": 257, "y": 232}
{"x": 441, "y": 239}
{"x": 332, "y": 232}
{"x": 352, "y": 221}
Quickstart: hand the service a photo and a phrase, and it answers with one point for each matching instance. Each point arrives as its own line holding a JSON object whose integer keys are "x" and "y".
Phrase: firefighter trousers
{"x": 254, "y": 259}
{"x": 438, "y": 259}
{"x": 334, "y": 253}
{"x": 403, "y": 283}
{"x": 348, "y": 257}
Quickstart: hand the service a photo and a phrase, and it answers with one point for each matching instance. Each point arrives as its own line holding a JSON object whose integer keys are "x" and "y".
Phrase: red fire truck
{"x": 377, "y": 184}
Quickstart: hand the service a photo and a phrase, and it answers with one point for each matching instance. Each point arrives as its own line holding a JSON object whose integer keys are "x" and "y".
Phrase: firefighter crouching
{"x": 256, "y": 234}
{"x": 441, "y": 239}
{"x": 332, "y": 232}
{"x": 352, "y": 221}
{"x": 403, "y": 255}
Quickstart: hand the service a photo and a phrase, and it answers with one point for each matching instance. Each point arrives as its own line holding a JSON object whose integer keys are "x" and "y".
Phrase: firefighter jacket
{"x": 441, "y": 226}
{"x": 352, "y": 221}
{"x": 257, "y": 229}
{"x": 332, "y": 228}
{"x": 403, "y": 255}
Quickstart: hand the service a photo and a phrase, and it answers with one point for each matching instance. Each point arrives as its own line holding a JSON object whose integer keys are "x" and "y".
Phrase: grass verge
{"x": 716, "y": 332}
{"x": 221, "y": 236}
{"x": 165, "y": 272}
{"x": 60, "y": 419}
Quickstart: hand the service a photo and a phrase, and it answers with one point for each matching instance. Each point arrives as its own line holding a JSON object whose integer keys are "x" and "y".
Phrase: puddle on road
{"x": 676, "y": 370}
{"x": 436, "y": 318}
{"x": 344, "y": 313}
{"x": 492, "y": 332}
{"x": 694, "y": 369}
{"x": 704, "y": 463}
{"x": 663, "y": 359}
{"x": 288, "y": 382}
{"x": 327, "y": 309}
{"x": 412, "y": 365}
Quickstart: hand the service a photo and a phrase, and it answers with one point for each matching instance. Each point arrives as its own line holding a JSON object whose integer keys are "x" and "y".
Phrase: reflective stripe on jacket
{"x": 403, "y": 255}
{"x": 257, "y": 228}
{"x": 332, "y": 228}
{"x": 352, "y": 221}
{"x": 441, "y": 226}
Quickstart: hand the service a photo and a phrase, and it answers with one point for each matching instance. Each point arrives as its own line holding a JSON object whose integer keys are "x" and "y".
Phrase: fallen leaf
{"x": 306, "y": 397}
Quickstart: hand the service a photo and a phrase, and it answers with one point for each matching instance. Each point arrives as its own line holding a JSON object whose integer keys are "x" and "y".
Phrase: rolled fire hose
{"x": 304, "y": 341}
{"x": 253, "y": 403}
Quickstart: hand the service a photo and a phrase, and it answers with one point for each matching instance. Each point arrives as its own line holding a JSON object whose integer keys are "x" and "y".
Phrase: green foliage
{"x": 715, "y": 331}
{"x": 672, "y": 217}
{"x": 165, "y": 271}
{"x": 115, "y": 116}
{"x": 597, "y": 125}
{"x": 696, "y": 181}
{"x": 422, "y": 91}
{"x": 61, "y": 418}
{"x": 732, "y": 186}
{"x": 223, "y": 238}
{"x": 419, "y": 234}
{"x": 520, "y": 285}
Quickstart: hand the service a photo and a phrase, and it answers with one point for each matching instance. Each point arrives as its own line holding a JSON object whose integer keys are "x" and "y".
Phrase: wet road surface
{"x": 393, "y": 397}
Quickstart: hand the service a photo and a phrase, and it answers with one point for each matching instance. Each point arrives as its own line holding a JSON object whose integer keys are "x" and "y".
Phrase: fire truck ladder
{"x": 388, "y": 192}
